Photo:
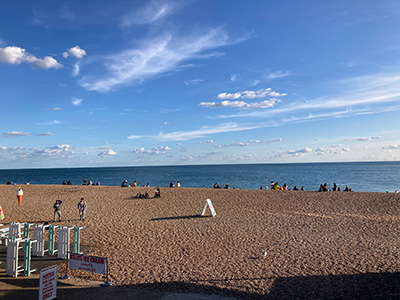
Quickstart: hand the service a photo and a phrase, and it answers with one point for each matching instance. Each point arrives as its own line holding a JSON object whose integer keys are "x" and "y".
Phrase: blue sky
{"x": 133, "y": 83}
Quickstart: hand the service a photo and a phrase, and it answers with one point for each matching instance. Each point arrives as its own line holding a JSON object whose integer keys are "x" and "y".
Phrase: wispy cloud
{"x": 13, "y": 134}
{"x": 56, "y": 109}
{"x": 55, "y": 122}
{"x": 153, "y": 58}
{"x": 204, "y": 131}
{"x": 361, "y": 96}
{"x": 193, "y": 81}
{"x": 15, "y": 55}
{"x": 45, "y": 134}
{"x": 153, "y": 11}
{"x": 364, "y": 139}
{"x": 277, "y": 74}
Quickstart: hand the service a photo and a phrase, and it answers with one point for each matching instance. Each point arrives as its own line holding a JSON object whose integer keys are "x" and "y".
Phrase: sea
{"x": 359, "y": 176}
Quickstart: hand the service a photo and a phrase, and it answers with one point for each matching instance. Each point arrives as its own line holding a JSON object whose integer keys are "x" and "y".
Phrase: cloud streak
{"x": 153, "y": 58}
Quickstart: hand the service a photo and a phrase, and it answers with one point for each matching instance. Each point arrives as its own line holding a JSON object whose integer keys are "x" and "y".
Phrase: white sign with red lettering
{"x": 87, "y": 263}
{"x": 48, "y": 283}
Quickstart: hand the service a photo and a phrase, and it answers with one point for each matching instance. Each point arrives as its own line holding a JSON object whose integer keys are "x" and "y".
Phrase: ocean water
{"x": 360, "y": 176}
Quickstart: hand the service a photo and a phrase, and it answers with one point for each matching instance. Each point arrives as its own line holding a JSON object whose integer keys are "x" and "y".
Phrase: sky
{"x": 147, "y": 83}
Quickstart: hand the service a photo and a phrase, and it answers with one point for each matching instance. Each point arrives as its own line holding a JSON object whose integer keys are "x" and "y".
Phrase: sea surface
{"x": 360, "y": 176}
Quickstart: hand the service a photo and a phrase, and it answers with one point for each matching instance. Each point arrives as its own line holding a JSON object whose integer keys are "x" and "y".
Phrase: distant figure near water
{"x": 216, "y": 185}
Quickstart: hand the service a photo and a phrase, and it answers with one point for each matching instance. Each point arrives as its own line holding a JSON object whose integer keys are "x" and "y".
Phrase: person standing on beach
{"x": 82, "y": 208}
{"x": 57, "y": 210}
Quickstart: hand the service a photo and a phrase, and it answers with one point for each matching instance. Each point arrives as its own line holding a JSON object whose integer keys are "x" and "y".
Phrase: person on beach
{"x": 272, "y": 184}
{"x": 157, "y": 193}
{"x": 57, "y": 210}
{"x": 82, "y": 209}
{"x": 124, "y": 183}
{"x": 178, "y": 184}
{"x": 171, "y": 185}
{"x": 134, "y": 184}
{"x": 216, "y": 185}
{"x": 334, "y": 187}
{"x": 302, "y": 188}
{"x": 285, "y": 187}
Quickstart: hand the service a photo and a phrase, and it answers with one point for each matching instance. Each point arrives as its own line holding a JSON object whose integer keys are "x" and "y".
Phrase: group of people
{"x": 335, "y": 188}
{"x": 157, "y": 194}
{"x": 82, "y": 206}
{"x": 133, "y": 184}
{"x": 172, "y": 185}
{"x": 217, "y": 186}
{"x": 90, "y": 182}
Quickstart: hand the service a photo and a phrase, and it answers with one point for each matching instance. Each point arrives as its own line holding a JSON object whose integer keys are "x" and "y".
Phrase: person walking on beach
{"x": 82, "y": 208}
{"x": 57, "y": 210}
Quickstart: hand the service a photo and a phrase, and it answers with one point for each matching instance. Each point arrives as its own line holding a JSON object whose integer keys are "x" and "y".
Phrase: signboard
{"x": 48, "y": 283}
{"x": 209, "y": 204}
{"x": 87, "y": 263}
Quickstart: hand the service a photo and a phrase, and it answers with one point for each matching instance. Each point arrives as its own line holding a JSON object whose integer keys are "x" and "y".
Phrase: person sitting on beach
{"x": 171, "y": 185}
{"x": 302, "y": 188}
{"x": 334, "y": 187}
{"x": 157, "y": 193}
{"x": 216, "y": 185}
{"x": 64, "y": 183}
{"x": 84, "y": 182}
{"x": 69, "y": 182}
{"x": 98, "y": 183}
{"x": 261, "y": 187}
{"x": 339, "y": 188}
{"x": 272, "y": 184}
{"x": 295, "y": 188}
{"x": 347, "y": 189}
{"x": 90, "y": 182}
{"x": 227, "y": 186}
{"x": 325, "y": 187}
{"x": 124, "y": 183}
{"x": 285, "y": 188}
{"x": 276, "y": 186}
{"x": 146, "y": 195}
{"x": 134, "y": 184}
{"x": 178, "y": 184}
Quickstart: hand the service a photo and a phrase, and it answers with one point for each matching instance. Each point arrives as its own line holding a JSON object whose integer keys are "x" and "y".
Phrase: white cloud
{"x": 155, "y": 151}
{"x": 277, "y": 74}
{"x": 109, "y": 152}
{"x": 229, "y": 95}
{"x": 299, "y": 152}
{"x": 204, "y": 142}
{"x": 365, "y": 139}
{"x": 14, "y": 134}
{"x": 152, "y": 58}
{"x": 240, "y": 104}
{"x": 154, "y": 11}
{"x": 56, "y": 109}
{"x": 55, "y": 122}
{"x": 76, "y": 101}
{"x": 75, "y": 51}
{"x": 133, "y": 137}
{"x": 193, "y": 81}
{"x": 274, "y": 141}
{"x": 16, "y": 55}
{"x": 204, "y": 131}
{"x": 45, "y": 134}
{"x": 391, "y": 147}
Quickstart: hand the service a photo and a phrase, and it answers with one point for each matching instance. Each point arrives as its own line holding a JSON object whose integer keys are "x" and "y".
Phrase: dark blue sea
{"x": 360, "y": 176}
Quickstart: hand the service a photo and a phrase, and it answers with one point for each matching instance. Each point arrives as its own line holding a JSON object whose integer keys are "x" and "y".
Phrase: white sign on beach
{"x": 209, "y": 204}
{"x": 48, "y": 283}
{"x": 87, "y": 263}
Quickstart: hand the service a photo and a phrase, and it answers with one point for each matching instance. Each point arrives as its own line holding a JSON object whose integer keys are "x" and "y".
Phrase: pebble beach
{"x": 261, "y": 243}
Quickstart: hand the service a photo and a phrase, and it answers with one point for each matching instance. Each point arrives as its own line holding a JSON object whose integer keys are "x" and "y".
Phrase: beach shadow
{"x": 180, "y": 218}
{"x": 356, "y": 286}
